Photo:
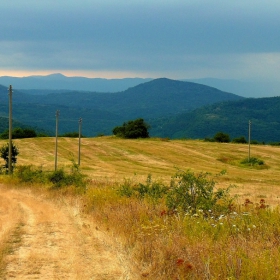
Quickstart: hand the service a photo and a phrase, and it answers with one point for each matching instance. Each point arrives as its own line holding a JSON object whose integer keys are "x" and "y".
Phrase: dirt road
{"x": 46, "y": 240}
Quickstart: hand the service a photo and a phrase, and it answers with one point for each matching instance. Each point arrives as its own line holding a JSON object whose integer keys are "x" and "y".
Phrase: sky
{"x": 178, "y": 39}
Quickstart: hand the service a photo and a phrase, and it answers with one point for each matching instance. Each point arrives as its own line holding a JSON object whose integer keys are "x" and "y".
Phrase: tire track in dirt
{"x": 57, "y": 243}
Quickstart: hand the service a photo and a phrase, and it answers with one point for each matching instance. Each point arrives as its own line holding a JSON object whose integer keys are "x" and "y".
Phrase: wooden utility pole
{"x": 249, "y": 141}
{"x": 80, "y": 129}
{"x": 56, "y": 136}
{"x": 10, "y": 130}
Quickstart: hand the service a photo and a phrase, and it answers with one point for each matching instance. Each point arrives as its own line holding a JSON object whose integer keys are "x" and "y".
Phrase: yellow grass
{"x": 175, "y": 246}
{"x": 113, "y": 159}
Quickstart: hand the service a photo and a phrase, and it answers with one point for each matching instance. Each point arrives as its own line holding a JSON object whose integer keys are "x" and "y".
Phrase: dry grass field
{"x": 110, "y": 158}
{"x": 137, "y": 237}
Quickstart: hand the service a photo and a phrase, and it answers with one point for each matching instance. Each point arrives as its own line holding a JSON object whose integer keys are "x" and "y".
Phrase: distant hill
{"x": 43, "y": 84}
{"x": 159, "y": 97}
{"x": 229, "y": 117}
{"x": 174, "y": 109}
{"x": 101, "y": 112}
{"x": 245, "y": 87}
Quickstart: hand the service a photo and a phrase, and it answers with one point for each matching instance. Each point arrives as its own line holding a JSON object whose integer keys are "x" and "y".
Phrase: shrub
{"x": 31, "y": 174}
{"x": 190, "y": 192}
{"x": 126, "y": 189}
{"x": 60, "y": 178}
{"x": 151, "y": 189}
{"x": 4, "y": 153}
{"x": 222, "y": 137}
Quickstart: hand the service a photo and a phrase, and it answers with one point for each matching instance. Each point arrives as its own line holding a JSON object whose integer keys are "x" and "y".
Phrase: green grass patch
{"x": 253, "y": 162}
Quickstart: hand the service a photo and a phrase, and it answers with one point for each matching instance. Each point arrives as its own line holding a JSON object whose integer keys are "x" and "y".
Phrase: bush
{"x": 4, "y": 153}
{"x": 222, "y": 137}
{"x": 132, "y": 129}
{"x": 60, "y": 178}
{"x": 126, "y": 189}
{"x": 152, "y": 190}
{"x": 190, "y": 192}
{"x": 31, "y": 174}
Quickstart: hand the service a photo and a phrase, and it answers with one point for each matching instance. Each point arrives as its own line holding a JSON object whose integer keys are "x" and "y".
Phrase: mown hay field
{"x": 238, "y": 241}
{"x": 113, "y": 159}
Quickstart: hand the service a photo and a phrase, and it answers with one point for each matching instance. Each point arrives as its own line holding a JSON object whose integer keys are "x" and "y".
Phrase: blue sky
{"x": 179, "y": 39}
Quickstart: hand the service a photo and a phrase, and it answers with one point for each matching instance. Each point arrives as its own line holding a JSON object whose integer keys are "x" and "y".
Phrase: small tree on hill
{"x": 4, "y": 153}
{"x": 132, "y": 129}
{"x": 222, "y": 137}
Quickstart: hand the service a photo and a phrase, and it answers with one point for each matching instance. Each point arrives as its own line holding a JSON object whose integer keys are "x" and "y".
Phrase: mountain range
{"x": 174, "y": 109}
{"x": 49, "y": 83}
{"x": 58, "y": 82}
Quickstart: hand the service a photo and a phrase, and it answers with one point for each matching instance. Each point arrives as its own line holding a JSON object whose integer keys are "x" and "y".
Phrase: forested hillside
{"x": 229, "y": 117}
{"x": 101, "y": 112}
{"x": 173, "y": 109}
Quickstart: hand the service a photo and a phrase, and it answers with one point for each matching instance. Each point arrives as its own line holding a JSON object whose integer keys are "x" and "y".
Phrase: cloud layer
{"x": 177, "y": 39}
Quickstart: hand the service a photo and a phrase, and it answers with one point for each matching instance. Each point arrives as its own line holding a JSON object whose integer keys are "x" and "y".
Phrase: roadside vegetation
{"x": 190, "y": 226}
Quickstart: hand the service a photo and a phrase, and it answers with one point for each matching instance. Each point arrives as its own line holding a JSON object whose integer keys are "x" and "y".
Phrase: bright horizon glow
{"x": 78, "y": 73}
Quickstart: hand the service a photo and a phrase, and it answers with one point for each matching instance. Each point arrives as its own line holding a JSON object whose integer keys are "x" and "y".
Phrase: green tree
{"x": 19, "y": 133}
{"x": 132, "y": 129}
{"x": 222, "y": 137}
{"x": 4, "y": 153}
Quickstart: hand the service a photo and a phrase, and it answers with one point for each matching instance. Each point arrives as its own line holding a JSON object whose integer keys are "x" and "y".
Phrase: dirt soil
{"x": 43, "y": 239}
